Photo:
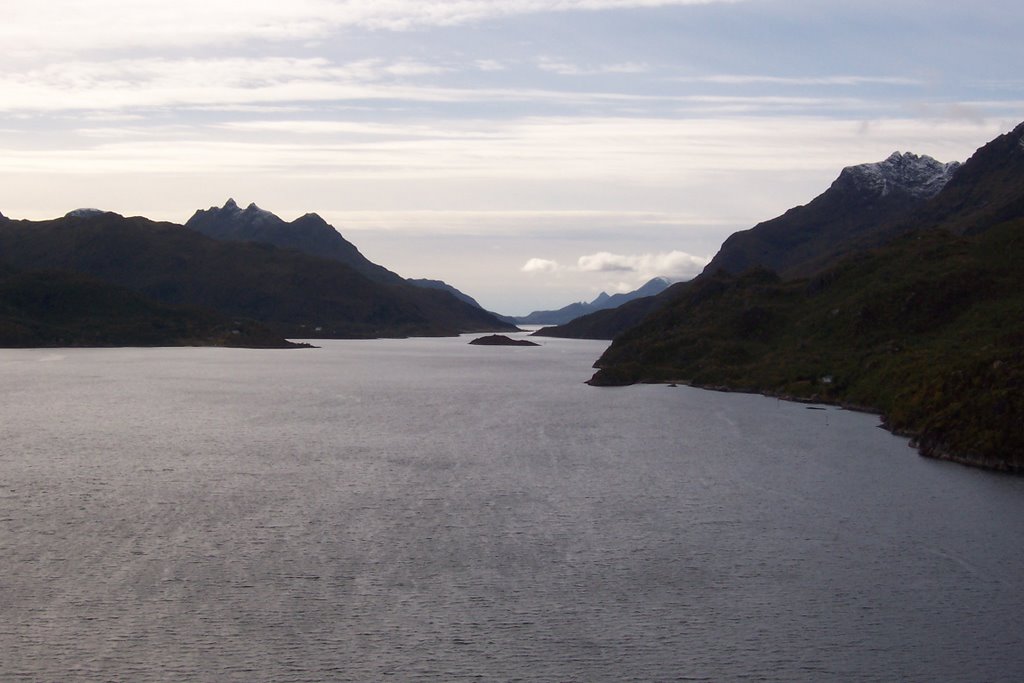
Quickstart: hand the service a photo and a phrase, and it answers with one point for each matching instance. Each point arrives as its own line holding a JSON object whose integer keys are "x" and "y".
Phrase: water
{"x": 429, "y": 510}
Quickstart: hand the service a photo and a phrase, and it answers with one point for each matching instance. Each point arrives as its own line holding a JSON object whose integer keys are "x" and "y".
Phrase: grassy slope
{"x": 928, "y": 331}
{"x": 46, "y": 309}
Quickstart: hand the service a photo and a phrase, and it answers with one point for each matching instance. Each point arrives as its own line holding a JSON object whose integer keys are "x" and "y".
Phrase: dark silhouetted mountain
{"x": 444, "y": 286}
{"x": 601, "y": 303}
{"x": 984, "y": 192}
{"x": 309, "y": 233}
{"x": 296, "y": 294}
{"x": 864, "y": 207}
{"x": 927, "y": 330}
{"x": 50, "y": 309}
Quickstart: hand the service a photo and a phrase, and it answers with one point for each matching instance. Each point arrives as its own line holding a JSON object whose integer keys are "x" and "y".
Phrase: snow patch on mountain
{"x": 919, "y": 176}
{"x": 252, "y": 215}
{"x": 84, "y": 213}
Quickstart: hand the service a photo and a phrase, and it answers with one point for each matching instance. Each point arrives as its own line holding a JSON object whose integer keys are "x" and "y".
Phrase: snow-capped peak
{"x": 920, "y": 176}
{"x": 251, "y": 215}
{"x": 256, "y": 215}
{"x": 84, "y": 213}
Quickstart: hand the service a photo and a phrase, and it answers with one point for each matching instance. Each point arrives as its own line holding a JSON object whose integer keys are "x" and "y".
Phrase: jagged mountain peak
{"x": 309, "y": 233}
{"x": 252, "y": 215}
{"x": 255, "y": 214}
{"x": 919, "y": 176}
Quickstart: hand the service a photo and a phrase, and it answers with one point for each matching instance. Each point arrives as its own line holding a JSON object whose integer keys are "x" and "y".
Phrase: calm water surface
{"x": 425, "y": 510}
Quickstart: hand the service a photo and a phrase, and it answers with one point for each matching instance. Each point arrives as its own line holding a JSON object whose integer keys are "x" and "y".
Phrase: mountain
{"x": 863, "y": 207}
{"x": 985, "y": 191}
{"x": 55, "y": 309}
{"x": 927, "y": 330}
{"x": 309, "y": 233}
{"x": 443, "y": 286}
{"x": 296, "y": 294}
{"x": 602, "y": 302}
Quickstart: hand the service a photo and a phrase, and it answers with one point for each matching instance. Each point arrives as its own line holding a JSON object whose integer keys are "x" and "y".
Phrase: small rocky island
{"x": 501, "y": 340}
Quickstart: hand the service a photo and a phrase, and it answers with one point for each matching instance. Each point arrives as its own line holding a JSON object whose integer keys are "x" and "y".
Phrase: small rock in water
{"x": 502, "y": 340}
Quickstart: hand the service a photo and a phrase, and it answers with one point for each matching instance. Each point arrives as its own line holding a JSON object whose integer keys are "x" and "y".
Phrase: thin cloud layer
{"x": 30, "y": 26}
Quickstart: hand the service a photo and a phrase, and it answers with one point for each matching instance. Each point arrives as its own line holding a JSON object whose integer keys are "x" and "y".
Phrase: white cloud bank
{"x": 675, "y": 265}
{"x": 541, "y": 265}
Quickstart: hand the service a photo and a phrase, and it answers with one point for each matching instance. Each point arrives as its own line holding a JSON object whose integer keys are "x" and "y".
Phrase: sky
{"x": 531, "y": 153}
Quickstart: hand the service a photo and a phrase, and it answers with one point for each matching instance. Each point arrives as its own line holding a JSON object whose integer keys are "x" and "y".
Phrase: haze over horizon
{"x": 530, "y": 153}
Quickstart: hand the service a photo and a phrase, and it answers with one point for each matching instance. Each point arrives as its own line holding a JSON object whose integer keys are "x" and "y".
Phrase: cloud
{"x": 565, "y": 68}
{"x": 673, "y": 264}
{"x": 539, "y": 265}
{"x": 676, "y": 265}
{"x": 836, "y": 80}
{"x": 489, "y": 65}
{"x": 645, "y": 155}
{"x": 158, "y": 82}
{"x": 62, "y": 26}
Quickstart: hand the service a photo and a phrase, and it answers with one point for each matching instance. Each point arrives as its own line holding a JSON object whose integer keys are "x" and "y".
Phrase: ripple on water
{"x": 407, "y": 511}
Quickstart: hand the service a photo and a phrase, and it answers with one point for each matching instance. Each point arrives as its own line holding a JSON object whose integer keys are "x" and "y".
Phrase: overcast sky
{"x": 530, "y": 152}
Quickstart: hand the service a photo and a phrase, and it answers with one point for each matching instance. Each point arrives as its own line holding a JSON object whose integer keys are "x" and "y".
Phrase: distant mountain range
{"x": 292, "y": 293}
{"x": 917, "y": 313}
{"x": 602, "y": 302}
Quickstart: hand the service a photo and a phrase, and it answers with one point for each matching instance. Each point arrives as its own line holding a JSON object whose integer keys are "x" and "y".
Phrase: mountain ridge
{"x": 309, "y": 233}
{"x": 865, "y": 206}
{"x": 297, "y": 295}
{"x": 927, "y": 329}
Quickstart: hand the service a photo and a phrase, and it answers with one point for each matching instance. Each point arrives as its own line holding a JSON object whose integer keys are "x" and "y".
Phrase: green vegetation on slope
{"x": 928, "y": 331}
{"x": 50, "y": 309}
